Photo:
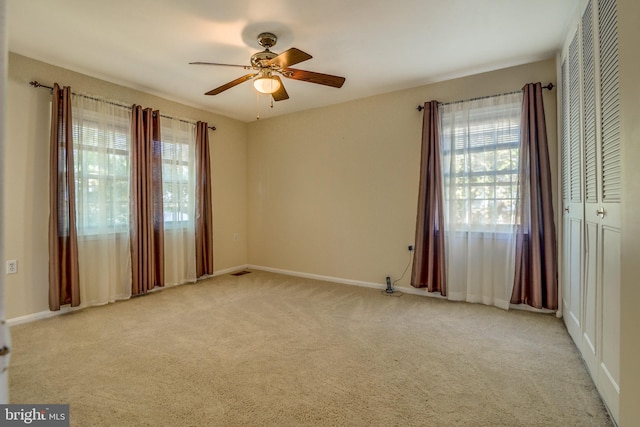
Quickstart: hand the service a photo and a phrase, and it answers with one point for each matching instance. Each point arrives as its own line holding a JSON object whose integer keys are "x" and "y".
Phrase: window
{"x": 480, "y": 150}
{"x": 178, "y": 173}
{"x": 101, "y": 139}
{"x": 102, "y": 147}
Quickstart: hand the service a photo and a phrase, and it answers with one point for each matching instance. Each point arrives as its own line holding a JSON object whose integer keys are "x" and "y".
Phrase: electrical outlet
{"x": 410, "y": 248}
{"x": 12, "y": 266}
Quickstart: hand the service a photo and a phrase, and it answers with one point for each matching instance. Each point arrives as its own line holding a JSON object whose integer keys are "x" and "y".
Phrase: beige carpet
{"x": 267, "y": 349}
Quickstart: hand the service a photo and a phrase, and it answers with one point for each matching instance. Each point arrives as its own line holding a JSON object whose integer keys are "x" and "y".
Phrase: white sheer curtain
{"x": 178, "y": 186}
{"x": 480, "y": 143}
{"x": 101, "y": 134}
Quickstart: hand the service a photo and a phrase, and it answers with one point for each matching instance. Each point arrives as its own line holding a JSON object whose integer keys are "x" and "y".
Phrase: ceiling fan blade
{"x": 310, "y": 76}
{"x": 281, "y": 94}
{"x": 246, "y": 67}
{"x": 230, "y": 84}
{"x": 289, "y": 57}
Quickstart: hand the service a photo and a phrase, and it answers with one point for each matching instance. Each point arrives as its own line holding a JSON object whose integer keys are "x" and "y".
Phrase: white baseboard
{"x": 405, "y": 290}
{"x": 318, "y": 277}
{"x": 525, "y": 307}
{"x": 46, "y": 314}
{"x": 230, "y": 270}
{"x": 40, "y": 315}
{"x": 351, "y": 282}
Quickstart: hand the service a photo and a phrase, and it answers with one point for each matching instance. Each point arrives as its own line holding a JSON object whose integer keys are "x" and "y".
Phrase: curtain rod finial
{"x": 420, "y": 108}
{"x": 37, "y": 84}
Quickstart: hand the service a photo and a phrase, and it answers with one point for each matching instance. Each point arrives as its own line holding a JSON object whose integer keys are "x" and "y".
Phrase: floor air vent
{"x": 240, "y": 273}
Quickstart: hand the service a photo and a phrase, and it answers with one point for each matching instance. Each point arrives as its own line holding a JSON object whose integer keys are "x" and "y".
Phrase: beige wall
{"x": 629, "y": 57}
{"x": 333, "y": 191}
{"x": 26, "y": 176}
{"x": 330, "y": 191}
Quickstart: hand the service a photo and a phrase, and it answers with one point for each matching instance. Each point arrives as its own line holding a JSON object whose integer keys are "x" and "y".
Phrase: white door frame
{"x": 4, "y": 328}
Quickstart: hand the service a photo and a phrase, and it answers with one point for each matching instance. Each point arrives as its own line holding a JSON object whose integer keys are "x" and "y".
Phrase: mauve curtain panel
{"x": 63, "y": 242}
{"x": 146, "y": 215}
{"x": 429, "y": 263}
{"x": 204, "y": 207}
{"x": 536, "y": 269}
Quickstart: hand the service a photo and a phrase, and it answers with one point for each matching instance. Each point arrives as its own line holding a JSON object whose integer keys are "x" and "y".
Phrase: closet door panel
{"x": 573, "y": 242}
{"x": 591, "y": 194}
{"x": 565, "y": 277}
{"x": 608, "y": 212}
{"x": 573, "y": 218}
{"x": 609, "y": 369}
{"x": 590, "y": 293}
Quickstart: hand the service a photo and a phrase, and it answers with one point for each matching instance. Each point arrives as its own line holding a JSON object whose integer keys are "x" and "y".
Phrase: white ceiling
{"x": 378, "y": 45}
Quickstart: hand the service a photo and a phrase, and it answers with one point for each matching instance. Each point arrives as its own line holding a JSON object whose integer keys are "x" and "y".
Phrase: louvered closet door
{"x": 572, "y": 220}
{"x": 591, "y": 184}
{"x": 603, "y": 214}
{"x": 589, "y": 339}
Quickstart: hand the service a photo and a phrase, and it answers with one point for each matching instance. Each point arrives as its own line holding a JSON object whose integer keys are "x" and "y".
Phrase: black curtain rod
{"x": 35, "y": 83}
{"x": 421, "y": 107}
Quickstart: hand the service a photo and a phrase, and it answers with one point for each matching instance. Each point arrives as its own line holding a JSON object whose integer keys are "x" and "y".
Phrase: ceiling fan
{"x": 269, "y": 66}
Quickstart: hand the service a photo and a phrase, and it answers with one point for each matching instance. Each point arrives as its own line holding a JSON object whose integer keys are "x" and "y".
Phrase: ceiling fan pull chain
{"x": 257, "y": 105}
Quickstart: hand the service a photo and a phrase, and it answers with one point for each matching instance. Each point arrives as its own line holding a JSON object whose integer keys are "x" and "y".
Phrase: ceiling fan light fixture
{"x": 266, "y": 84}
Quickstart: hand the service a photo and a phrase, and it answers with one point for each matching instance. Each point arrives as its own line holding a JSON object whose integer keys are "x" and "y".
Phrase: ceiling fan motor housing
{"x": 261, "y": 59}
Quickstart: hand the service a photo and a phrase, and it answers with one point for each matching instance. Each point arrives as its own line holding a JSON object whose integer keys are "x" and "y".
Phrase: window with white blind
{"x": 480, "y": 151}
{"x": 102, "y": 142}
{"x": 178, "y": 172}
